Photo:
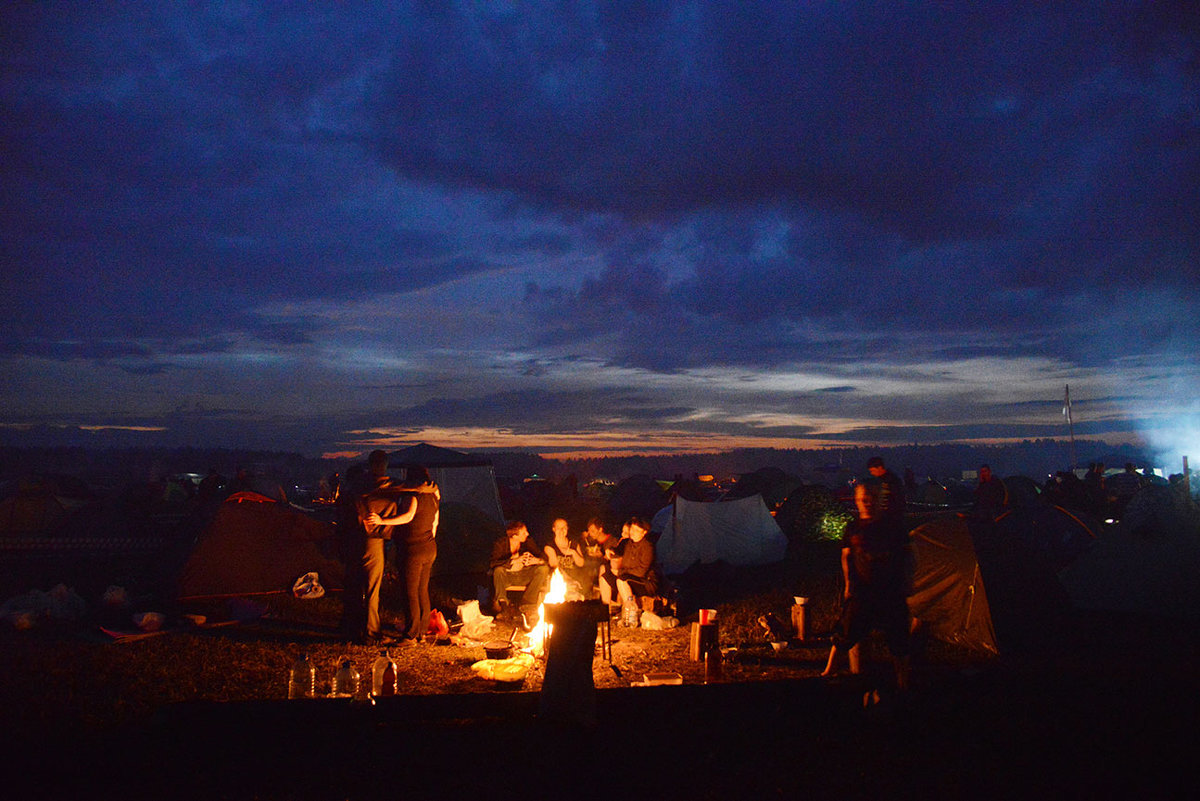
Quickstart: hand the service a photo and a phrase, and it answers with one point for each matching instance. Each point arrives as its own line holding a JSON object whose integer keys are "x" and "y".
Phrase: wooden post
{"x": 704, "y": 639}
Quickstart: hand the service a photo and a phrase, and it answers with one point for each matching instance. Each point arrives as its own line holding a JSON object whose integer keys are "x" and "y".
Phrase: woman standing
{"x": 416, "y": 539}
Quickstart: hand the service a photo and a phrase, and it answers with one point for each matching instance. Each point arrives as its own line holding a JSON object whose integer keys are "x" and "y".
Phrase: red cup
{"x": 707, "y": 616}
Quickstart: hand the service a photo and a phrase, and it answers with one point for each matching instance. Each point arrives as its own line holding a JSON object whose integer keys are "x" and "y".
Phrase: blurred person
{"x": 607, "y": 577}
{"x": 597, "y": 544}
{"x": 874, "y": 593}
{"x": 1093, "y": 487}
{"x": 1120, "y": 489}
{"x": 891, "y": 502}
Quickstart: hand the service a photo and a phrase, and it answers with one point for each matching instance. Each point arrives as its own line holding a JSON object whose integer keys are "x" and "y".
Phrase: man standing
{"x": 370, "y": 511}
{"x": 890, "y": 494}
{"x": 991, "y": 496}
{"x": 875, "y": 586}
{"x": 362, "y": 554}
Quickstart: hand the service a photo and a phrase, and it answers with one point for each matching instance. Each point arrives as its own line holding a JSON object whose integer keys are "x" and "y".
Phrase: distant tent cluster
{"x": 977, "y": 581}
{"x": 1147, "y": 564}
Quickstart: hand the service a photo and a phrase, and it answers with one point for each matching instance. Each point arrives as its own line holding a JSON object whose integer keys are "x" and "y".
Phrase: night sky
{"x": 604, "y": 227}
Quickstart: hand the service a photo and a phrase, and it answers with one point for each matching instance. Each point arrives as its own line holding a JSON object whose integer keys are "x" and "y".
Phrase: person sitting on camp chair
{"x": 610, "y": 565}
{"x": 637, "y": 570}
{"x": 566, "y": 556}
{"x": 597, "y": 545}
{"x": 515, "y": 562}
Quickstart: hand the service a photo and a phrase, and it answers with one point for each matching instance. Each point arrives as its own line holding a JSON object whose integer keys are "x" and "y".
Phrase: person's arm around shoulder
{"x": 373, "y": 518}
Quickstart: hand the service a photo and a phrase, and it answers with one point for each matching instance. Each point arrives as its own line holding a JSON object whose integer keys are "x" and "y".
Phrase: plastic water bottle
{"x": 345, "y": 681}
{"x": 383, "y": 676}
{"x": 629, "y": 615}
{"x": 302, "y": 680}
{"x": 712, "y": 665}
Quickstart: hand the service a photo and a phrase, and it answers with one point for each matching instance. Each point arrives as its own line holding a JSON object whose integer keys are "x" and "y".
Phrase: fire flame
{"x": 556, "y": 595}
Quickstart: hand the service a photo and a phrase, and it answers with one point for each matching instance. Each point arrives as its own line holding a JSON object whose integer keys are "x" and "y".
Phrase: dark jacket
{"x": 502, "y": 555}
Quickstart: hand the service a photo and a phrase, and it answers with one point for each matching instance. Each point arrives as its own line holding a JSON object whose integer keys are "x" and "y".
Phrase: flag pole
{"x": 1070, "y": 424}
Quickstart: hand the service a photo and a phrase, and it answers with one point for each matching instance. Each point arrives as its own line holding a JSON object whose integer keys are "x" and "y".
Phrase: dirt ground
{"x": 1105, "y": 708}
{"x": 1077, "y": 705}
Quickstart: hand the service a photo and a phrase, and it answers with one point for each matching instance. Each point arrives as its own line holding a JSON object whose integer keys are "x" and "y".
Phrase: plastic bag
{"x": 308, "y": 587}
{"x": 476, "y": 625}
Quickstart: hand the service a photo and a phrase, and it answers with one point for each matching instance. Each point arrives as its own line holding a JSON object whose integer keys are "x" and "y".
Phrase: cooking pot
{"x": 498, "y": 649}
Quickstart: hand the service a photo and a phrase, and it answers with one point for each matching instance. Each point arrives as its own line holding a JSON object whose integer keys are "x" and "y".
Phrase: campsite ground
{"x": 1078, "y": 704}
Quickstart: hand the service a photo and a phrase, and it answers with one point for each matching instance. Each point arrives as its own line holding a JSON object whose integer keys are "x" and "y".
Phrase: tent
{"x": 43, "y": 504}
{"x": 1137, "y": 567}
{"x": 948, "y": 595}
{"x": 771, "y": 482}
{"x": 739, "y": 532}
{"x": 637, "y": 495}
{"x": 1053, "y": 535}
{"x": 1022, "y": 491}
{"x": 255, "y": 546}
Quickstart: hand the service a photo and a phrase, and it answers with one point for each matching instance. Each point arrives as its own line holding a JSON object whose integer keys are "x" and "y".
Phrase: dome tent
{"x": 738, "y": 532}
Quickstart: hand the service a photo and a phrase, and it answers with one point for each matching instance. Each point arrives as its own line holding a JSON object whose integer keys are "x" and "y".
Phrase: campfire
{"x": 556, "y": 595}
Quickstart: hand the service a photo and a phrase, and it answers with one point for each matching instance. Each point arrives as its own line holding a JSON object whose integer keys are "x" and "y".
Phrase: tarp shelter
{"x": 256, "y": 546}
{"x": 740, "y": 532}
{"x": 948, "y": 594}
{"x": 463, "y": 478}
{"x": 471, "y": 515}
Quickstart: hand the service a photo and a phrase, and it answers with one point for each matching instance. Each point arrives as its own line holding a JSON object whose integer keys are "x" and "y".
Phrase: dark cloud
{"x": 939, "y": 121}
{"x": 668, "y": 187}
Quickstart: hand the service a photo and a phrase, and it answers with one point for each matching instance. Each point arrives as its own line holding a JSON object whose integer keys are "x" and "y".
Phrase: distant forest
{"x": 113, "y": 468}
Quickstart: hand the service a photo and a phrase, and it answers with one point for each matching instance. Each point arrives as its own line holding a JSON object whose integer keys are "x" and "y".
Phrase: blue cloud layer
{"x": 472, "y": 196}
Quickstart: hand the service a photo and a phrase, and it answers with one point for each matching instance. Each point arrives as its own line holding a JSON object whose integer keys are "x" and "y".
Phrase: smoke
{"x": 1174, "y": 438}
